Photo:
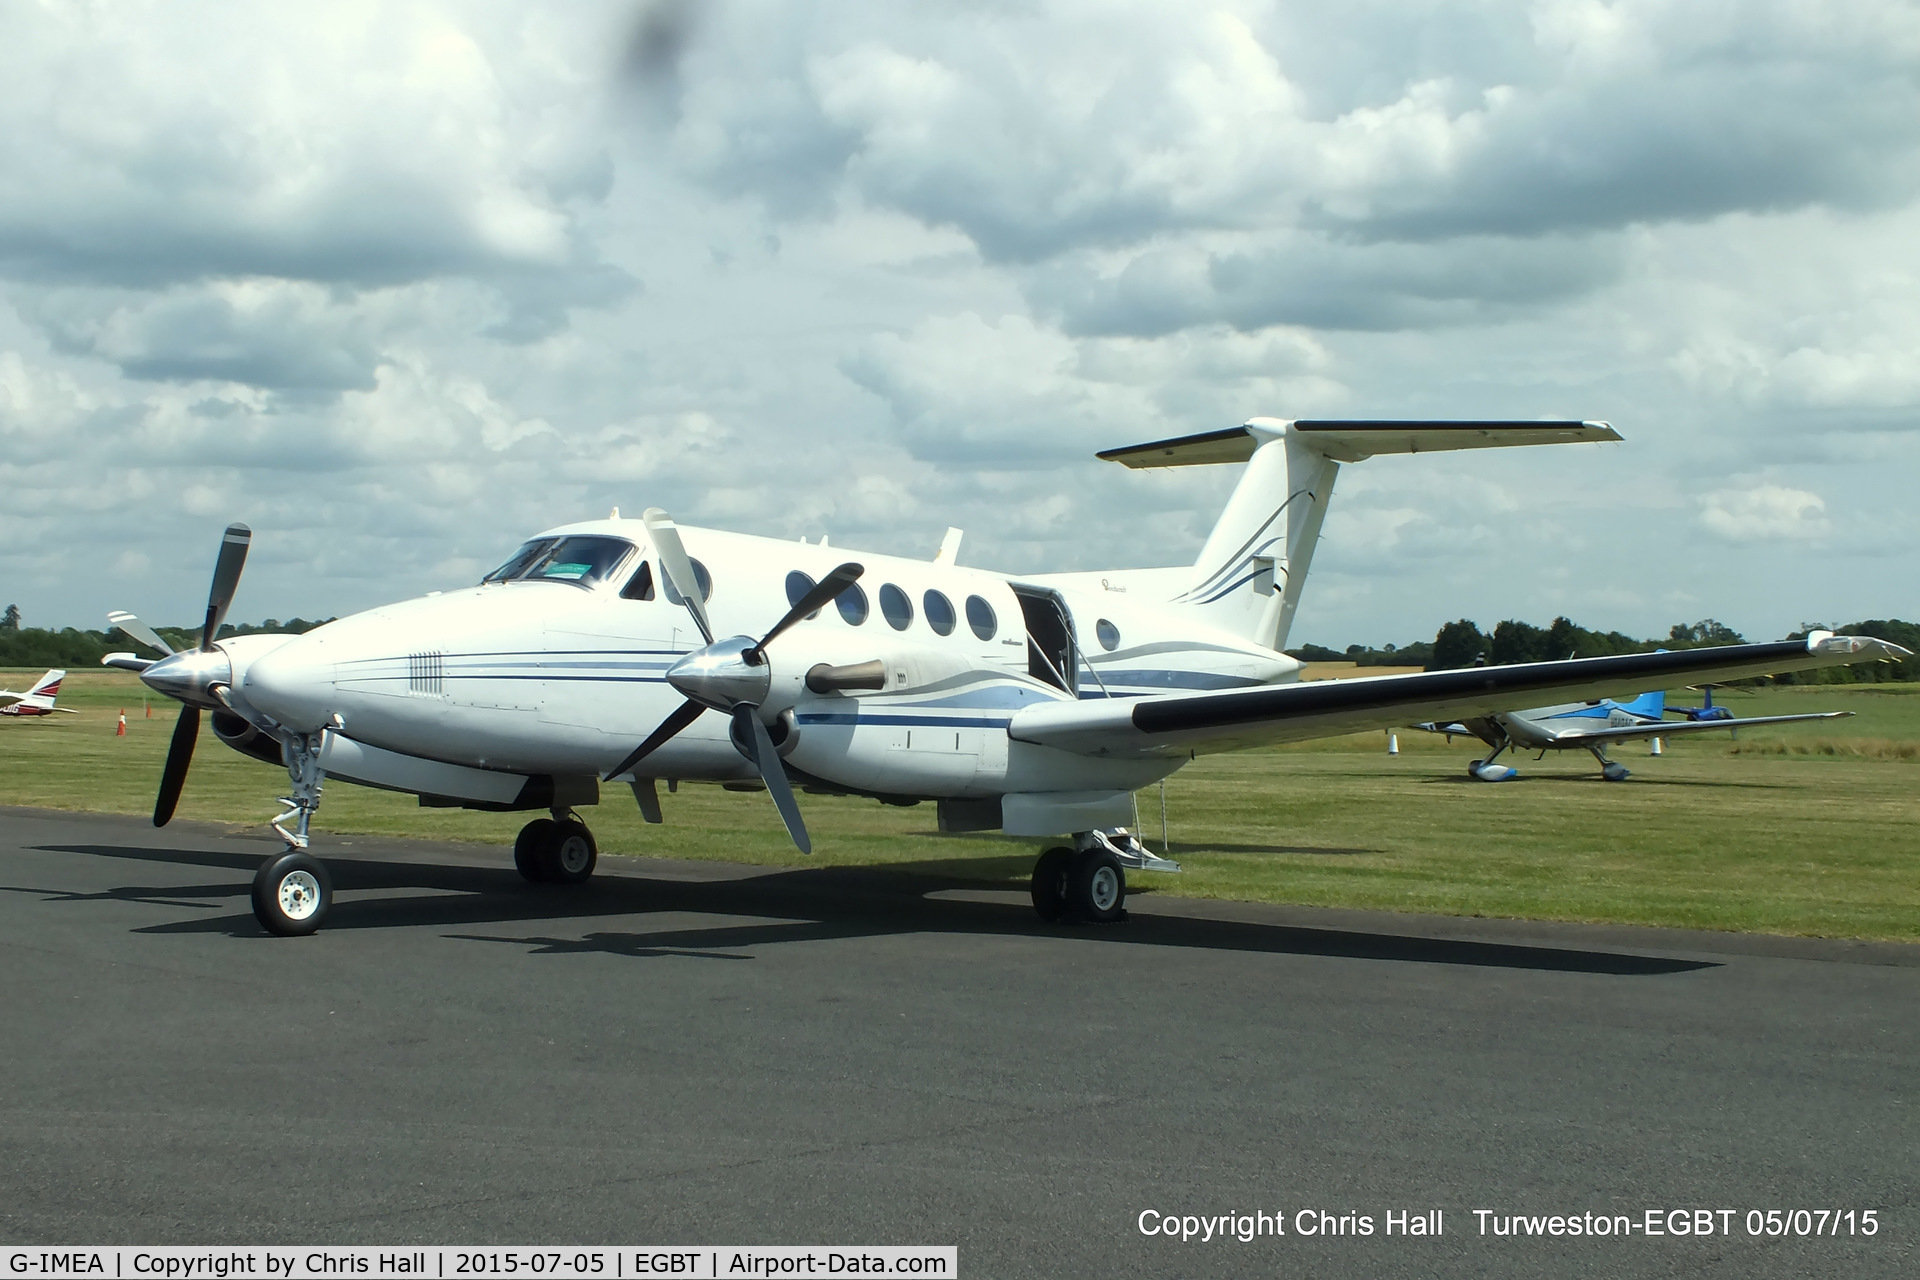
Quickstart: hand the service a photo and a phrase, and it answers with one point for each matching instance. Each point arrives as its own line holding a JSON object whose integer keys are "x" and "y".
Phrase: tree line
{"x": 74, "y": 648}
{"x": 1464, "y": 644}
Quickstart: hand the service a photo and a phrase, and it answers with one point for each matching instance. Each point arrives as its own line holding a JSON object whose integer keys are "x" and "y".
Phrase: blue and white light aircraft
{"x": 634, "y": 650}
{"x": 1590, "y": 726}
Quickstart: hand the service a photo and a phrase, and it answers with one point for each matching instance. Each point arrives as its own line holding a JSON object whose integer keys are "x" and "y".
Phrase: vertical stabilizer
{"x": 1249, "y": 576}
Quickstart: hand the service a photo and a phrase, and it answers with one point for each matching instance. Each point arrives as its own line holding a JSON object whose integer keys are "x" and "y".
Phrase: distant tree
{"x": 1518, "y": 642}
{"x": 10, "y": 620}
{"x": 1316, "y": 653}
{"x": 1704, "y": 632}
{"x": 1564, "y": 639}
{"x": 1457, "y": 645}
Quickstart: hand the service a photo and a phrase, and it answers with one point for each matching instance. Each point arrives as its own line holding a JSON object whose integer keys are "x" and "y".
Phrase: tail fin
{"x": 1249, "y": 575}
{"x": 1652, "y": 705}
{"x": 47, "y": 686}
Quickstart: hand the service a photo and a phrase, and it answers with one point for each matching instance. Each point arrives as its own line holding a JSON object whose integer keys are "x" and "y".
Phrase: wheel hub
{"x": 299, "y": 895}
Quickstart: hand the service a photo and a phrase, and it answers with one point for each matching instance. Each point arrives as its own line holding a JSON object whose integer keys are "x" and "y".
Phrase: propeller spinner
{"x": 191, "y": 677}
{"x": 730, "y": 675}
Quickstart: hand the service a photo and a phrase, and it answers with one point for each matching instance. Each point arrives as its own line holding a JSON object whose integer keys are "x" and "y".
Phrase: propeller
{"x": 140, "y": 631}
{"x": 730, "y": 675}
{"x": 192, "y": 676}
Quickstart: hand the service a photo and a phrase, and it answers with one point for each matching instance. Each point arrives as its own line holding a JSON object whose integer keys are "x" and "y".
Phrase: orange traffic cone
{"x": 121, "y": 731}
{"x": 149, "y": 707}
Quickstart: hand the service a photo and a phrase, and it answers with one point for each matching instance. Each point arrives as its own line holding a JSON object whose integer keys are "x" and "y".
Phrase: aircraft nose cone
{"x": 293, "y": 684}
{"x": 719, "y": 676}
{"x": 189, "y": 677}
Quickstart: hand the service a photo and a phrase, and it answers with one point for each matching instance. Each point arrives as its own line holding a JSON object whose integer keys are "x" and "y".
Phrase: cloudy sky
{"x": 398, "y": 284}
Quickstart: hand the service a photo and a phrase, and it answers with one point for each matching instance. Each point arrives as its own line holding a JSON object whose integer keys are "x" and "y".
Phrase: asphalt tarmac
{"x": 703, "y": 1053}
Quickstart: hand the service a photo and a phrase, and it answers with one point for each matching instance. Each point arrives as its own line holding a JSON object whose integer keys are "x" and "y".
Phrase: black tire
{"x": 1097, "y": 887}
{"x": 528, "y": 858}
{"x": 1050, "y": 883}
{"x": 569, "y": 854}
{"x": 292, "y": 893}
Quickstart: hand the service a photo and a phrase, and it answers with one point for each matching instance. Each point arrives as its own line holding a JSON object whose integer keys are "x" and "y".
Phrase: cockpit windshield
{"x": 518, "y": 562}
{"x": 580, "y": 559}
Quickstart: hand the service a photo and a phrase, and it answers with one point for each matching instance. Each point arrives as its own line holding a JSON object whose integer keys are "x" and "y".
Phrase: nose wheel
{"x": 555, "y": 851}
{"x": 292, "y": 893}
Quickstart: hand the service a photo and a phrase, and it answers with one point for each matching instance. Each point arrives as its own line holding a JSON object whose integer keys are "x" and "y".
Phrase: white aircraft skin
{"x": 1590, "y": 726}
{"x": 37, "y": 700}
{"x": 590, "y": 666}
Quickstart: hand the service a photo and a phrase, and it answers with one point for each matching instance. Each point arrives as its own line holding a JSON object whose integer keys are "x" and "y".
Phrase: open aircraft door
{"x": 1053, "y": 657}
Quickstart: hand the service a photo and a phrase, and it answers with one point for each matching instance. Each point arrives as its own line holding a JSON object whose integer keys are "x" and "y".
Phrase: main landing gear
{"x": 1611, "y": 770}
{"x": 1487, "y": 771}
{"x": 556, "y": 850}
{"x": 1087, "y": 883}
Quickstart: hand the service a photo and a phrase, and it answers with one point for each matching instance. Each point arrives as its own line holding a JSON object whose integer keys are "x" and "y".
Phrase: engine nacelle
{"x": 246, "y": 739}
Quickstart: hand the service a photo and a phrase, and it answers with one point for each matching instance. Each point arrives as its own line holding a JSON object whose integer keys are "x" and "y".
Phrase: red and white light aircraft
{"x": 634, "y": 650}
{"x": 37, "y": 700}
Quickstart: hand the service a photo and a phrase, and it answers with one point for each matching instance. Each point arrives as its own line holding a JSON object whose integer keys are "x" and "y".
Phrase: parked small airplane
{"x": 1706, "y": 710}
{"x": 37, "y": 700}
{"x": 1032, "y": 705}
{"x": 1590, "y": 726}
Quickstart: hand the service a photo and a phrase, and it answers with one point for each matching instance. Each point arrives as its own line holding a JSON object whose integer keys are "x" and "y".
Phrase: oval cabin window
{"x": 980, "y": 618}
{"x": 895, "y": 607}
{"x": 939, "y": 611}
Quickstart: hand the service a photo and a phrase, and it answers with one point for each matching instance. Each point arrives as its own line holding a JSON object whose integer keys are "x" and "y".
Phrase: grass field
{"x": 1810, "y": 829}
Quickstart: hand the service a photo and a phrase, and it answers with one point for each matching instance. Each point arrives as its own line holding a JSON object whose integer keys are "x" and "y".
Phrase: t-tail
{"x": 1250, "y": 573}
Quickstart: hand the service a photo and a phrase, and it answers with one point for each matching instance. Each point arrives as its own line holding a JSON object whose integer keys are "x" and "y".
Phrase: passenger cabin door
{"x": 1051, "y": 655}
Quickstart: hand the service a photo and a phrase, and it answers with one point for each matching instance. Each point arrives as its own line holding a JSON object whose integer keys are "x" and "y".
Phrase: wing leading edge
{"x": 1237, "y": 719}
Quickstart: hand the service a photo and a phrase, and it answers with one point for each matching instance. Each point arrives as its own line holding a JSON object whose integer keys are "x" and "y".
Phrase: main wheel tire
{"x": 1097, "y": 887}
{"x": 570, "y": 853}
{"x": 1050, "y": 883}
{"x": 291, "y": 894}
{"x": 529, "y": 857}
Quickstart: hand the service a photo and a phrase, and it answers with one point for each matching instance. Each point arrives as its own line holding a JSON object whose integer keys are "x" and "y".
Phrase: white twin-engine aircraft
{"x": 633, "y": 650}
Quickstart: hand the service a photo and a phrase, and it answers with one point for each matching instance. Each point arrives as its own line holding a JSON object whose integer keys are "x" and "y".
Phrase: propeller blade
{"x": 139, "y": 631}
{"x": 179, "y": 756}
{"x": 746, "y": 724}
{"x": 679, "y": 569}
{"x": 689, "y": 712}
{"x": 226, "y": 576}
{"x": 824, "y": 592}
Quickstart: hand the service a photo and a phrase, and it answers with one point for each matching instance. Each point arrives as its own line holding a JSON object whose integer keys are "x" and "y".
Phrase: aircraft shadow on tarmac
{"x": 798, "y": 905}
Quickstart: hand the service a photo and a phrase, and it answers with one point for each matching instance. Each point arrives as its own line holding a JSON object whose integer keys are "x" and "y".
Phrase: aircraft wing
{"x": 1670, "y": 728}
{"x": 1236, "y": 719}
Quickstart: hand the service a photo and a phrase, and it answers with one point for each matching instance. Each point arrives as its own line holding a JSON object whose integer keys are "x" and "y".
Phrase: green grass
{"x": 1803, "y": 829}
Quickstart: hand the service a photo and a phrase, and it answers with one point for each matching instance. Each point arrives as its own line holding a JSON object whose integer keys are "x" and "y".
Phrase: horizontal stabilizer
{"x": 1350, "y": 440}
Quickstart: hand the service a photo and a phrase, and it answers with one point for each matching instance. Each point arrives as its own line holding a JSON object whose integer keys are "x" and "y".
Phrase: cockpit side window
{"x": 518, "y": 562}
{"x": 640, "y": 585}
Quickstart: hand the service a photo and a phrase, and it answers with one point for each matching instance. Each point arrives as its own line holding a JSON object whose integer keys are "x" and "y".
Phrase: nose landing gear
{"x": 291, "y": 894}
{"x": 292, "y": 891}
